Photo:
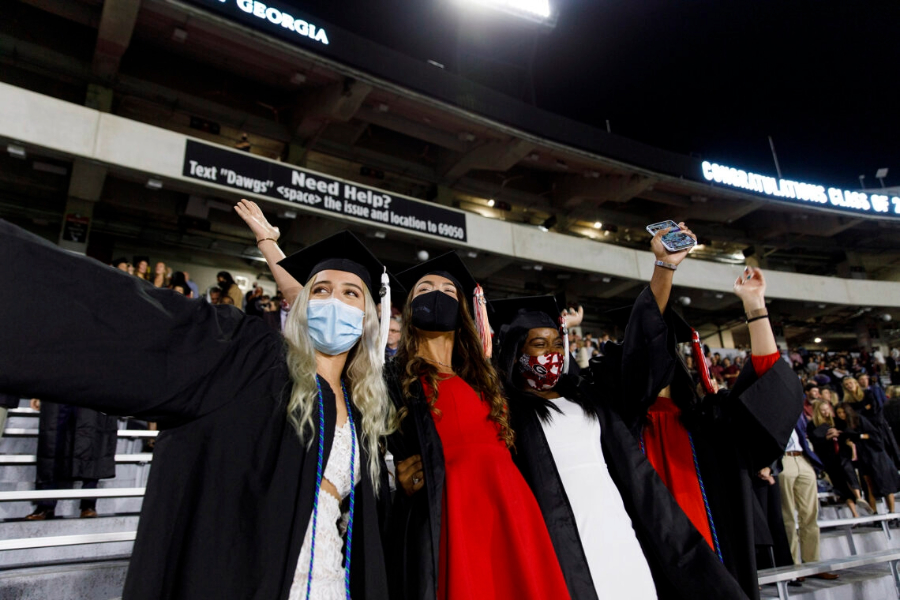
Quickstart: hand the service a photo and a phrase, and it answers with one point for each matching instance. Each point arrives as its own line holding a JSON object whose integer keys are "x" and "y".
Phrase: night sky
{"x": 692, "y": 76}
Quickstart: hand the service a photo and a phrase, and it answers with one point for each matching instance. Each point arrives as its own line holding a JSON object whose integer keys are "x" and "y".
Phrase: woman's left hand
{"x": 750, "y": 287}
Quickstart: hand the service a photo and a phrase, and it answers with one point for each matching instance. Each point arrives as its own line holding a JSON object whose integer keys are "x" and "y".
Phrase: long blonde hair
{"x": 367, "y": 390}
{"x": 818, "y": 418}
{"x": 855, "y": 396}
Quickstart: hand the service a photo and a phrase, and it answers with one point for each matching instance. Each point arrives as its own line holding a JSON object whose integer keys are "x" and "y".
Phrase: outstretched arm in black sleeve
{"x": 100, "y": 338}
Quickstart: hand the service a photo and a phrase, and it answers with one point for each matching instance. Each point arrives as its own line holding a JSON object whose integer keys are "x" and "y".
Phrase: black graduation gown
{"x": 414, "y": 526}
{"x": 838, "y": 464}
{"x": 873, "y": 458}
{"x": 681, "y": 562}
{"x": 873, "y": 409}
{"x": 230, "y": 493}
{"x": 736, "y": 432}
{"x": 84, "y": 447}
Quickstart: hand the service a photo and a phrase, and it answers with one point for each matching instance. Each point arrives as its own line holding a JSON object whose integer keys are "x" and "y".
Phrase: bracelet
{"x": 273, "y": 240}
{"x": 757, "y": 312}
{"x": 666, "y": 265}
{"x": 757, "y": 318}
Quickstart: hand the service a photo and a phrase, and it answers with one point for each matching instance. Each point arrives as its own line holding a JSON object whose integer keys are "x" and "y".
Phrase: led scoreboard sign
{"x": 806, "y": 193}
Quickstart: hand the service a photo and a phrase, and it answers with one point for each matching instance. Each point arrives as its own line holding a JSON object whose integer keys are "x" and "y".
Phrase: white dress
{"x": 616, "y": 561}
{"x": 328, "y": 568}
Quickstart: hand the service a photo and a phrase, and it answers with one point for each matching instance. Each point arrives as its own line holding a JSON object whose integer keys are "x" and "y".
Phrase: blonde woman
{"x": 852, "y": 391}
{"x": 266, "y": 442}
{"x": 836, "y": 451}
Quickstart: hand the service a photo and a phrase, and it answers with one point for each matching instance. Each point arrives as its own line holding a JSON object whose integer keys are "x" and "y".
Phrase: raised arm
{"x": 661, "y": 281}
{"x": 94, "y": 336}
{"x": 750, "y": 287}
{"x": 267, "y": 241}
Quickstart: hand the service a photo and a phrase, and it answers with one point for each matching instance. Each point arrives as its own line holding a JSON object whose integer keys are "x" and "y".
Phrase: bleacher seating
{"x": 71, "y": 558}
{"x": 66, "y": 557}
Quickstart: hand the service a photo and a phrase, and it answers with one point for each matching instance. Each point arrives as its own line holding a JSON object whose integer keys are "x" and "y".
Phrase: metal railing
{"x": 780, "y": 576}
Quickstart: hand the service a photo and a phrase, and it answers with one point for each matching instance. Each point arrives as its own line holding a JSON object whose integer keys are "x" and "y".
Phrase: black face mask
{"x": 435, "y": 311}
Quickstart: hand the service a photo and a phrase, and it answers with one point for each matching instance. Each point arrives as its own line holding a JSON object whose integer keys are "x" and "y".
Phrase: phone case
{"x": 652, "y": 229}
{"x": 678, "y": 248}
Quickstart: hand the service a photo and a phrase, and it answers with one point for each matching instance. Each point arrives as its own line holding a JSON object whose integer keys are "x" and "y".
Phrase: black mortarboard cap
{"x": 525, "y": 313}
{"x": 448, "y": 265}
{"x": 341, "y": 252}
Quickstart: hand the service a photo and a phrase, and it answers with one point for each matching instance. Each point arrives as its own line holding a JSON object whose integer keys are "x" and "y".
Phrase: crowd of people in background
{"x": 844, "y": 444}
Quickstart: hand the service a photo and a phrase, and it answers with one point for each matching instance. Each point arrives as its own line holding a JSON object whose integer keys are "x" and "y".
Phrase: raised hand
{"x": 750, "y": 287}
{"x": 660, "y": 251}
{"x": 255, "y": 219}
{"x": 573, "y": 317}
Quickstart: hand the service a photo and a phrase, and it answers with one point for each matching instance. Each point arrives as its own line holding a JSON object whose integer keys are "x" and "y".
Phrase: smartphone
{"x": 674, "y": 241}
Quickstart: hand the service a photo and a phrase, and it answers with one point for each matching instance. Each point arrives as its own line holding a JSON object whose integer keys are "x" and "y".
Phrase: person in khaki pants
{"x": 800, "y": 498}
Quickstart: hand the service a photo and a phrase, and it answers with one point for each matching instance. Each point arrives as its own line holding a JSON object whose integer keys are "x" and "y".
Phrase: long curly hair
{"x": 468, "y": 362}
{"x": 363, "y": 373}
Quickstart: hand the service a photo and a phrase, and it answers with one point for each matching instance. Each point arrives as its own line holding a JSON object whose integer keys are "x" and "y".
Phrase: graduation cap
{"x": 448, "y": 265}
{"x": 525, "y": 313}
{"x": 344, "y": 252}
{"x": 513, "y": 317}
{"x": 451, "y": 266}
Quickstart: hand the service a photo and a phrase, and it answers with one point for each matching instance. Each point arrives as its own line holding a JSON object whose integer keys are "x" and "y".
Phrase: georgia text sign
{"x": 271, "y": 16}
{"x": 817, "y": 195}
{"x": 243, "y": 171}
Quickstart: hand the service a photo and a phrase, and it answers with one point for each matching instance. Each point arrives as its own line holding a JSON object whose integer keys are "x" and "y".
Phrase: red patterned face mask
{"x": 541, "y": 372}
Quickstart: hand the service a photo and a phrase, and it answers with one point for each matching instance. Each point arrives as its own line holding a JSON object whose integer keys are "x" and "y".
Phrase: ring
{"x": 415, "y": 481}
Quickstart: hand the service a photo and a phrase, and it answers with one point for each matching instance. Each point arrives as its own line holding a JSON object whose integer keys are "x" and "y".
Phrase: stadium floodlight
{"x": 532, "y": 10}
{"x": 880, "y": 174}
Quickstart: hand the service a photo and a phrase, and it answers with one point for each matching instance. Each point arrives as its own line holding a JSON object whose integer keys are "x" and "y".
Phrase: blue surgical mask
{"x": 333, "y": 326}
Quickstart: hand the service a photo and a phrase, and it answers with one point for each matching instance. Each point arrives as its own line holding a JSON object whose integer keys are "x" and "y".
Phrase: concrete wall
{"x": 75, "y": 131}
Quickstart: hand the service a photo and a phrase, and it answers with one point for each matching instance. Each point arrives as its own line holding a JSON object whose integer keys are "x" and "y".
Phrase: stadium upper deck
{"x": 353, "y": 110}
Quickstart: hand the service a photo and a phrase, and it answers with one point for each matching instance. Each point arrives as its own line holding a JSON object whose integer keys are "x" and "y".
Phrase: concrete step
{"x": 71, "y": 508}
{"x": 28, "y": 445}
{"x": 863, "y": 583}
{"x": 99, "y": 580}
{"x": 27, "y": 473}
{"x": 23, "y": 486}
{"x": 59, "y": 527}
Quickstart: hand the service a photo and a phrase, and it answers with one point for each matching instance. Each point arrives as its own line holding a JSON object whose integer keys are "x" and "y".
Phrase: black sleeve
{"x": 403, "y": 443}
{"x": 647, "y": 365}
{"x": 90, "y": 335}
{"x": 765, "y": 409}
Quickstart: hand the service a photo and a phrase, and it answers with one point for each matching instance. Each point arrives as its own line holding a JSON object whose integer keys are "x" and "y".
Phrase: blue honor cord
{"x": 319, "y": 471}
